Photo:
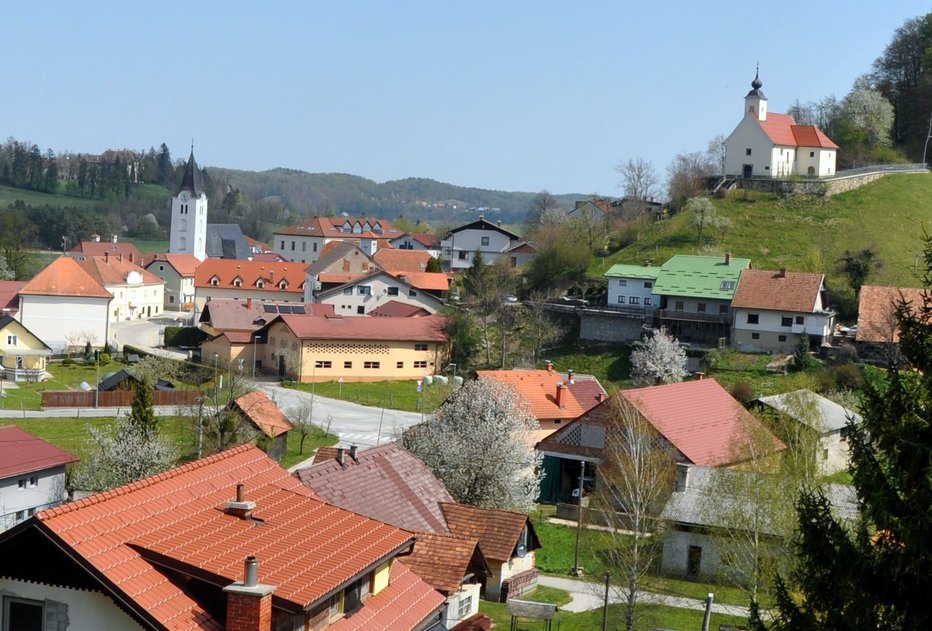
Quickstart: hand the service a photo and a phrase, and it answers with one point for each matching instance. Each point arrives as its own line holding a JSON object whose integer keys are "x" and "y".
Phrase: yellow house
{"x": 328, "y": 348}
{"x": 22, "y": 354}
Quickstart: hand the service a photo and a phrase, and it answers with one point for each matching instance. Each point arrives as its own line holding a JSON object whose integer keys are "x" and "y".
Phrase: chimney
{"x": 352, "y": 452}
{"x": 240, "y": 507}
{"x": 782, "y": 273}
{"x": 727, "y": 258}
{"x": 340, "y": 458}
{"x": 121, "y": 257}
{"x": 249, "y": 303}
{"x": 600, "y": 397}
{"x": 549, "y": 366}
{"x": 571, "y": 375}
{"x": 249, "y": 603}
{"x": 106, "y": 257}
{"x": 481, "y": 217}
{"x": 132, "y": 257}
{"x": 560, "y": 389}
{"x": 682, "y": 477}
{"x": 648, "y": 263}
{"x": 498, "y": 223}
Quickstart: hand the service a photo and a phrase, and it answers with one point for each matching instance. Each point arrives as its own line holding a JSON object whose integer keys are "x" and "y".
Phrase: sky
{"x": 507, "y": 95}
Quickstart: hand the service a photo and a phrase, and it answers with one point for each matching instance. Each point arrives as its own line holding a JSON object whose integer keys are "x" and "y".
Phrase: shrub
{"x": 743, "y": 391}
{"x": 849, "y": 377}
{"x": 105, "y": 358}
{"x": 183, "y": 336}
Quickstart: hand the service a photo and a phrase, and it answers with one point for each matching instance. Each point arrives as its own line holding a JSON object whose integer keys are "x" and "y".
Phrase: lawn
{"x": 26, "y": 396}
{"x": 608, "y": 362}
{"x": 394, "y": 395}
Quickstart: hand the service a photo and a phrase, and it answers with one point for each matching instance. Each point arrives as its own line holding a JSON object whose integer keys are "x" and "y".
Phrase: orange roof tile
{"x": 402, "y": 606}
{"x": 428, "y": 281}
{"x": 426, "y": 329}
{"x": 178, "y": 515}
{"x": 783, "y": 130}
{"x": 184, "y": 264}
{"x": 249, "y": 273}
{"x": 497, "y": 531}
{"x": 112, "y": 271}
{"x": 539, "y": 387}
{"x": 812, "y": 136}
{"x": 330, "y": 227}
{"x": 443, "y": 560}
{"x": 394, "y": 261}
{"x": 877, "y": 312}
{"x": 778, "y": 291}
{"x": 22, "y": 452}
{"x": 263, "y": 413}
{"x": 9, "y": 294}
{"x": 64, "y": 277}
{"x": 97, "y": 248}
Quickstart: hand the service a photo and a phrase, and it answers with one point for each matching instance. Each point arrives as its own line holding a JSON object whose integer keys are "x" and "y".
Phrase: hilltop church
{"x": 770, "y": 145}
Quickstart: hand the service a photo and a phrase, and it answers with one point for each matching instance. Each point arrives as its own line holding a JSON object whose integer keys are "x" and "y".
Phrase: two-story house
{"x": 494, "y": 242}
{"x": 631, "y": 286}
{"x": 177, "y": 272}
{"x": 239, "y": 280}
{"x": 303, "y": 242}
{"x": 136, "y": 292}
{"x": 22, "y": 355}
{"x": 772, "y": 311}
{"x": 419, "y": 241}
{"x": 363, "y": 294}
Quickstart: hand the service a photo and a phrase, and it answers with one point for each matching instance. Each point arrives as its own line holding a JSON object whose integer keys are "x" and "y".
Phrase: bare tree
{"x": 638, "y": 179}
{"x": 686, "y": 176}
{"x": 660, "y": 360}
{"x": 542, "y": 327}
{"x": 478, "y": 444}
{"x": 544, "y": 208}
{"x": 301, "y": 417}
{"x": 635, "y": 480}
{"x": 716, "y": 151}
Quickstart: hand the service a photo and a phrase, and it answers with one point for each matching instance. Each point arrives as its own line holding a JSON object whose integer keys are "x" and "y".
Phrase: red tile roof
{"x": 404, "y": 604}
{"x": 263, "y": 413}
{"x": 539, "y": 387}
{"x": 497, "y": 531}
{"x": 112, "y": 271}
{"x": 255, "y": 243}
{"x": 778, "y": 291}
{"x": 251, "y": 315}
{"x": 700, "y": 419}
{"x": 306, "y": 548}
{"x": 783, "y": 130}
{"x": 97, "y": 248}
{"x": 250, "y": 273}
{"x": 426, "y": 329}
{"x": 64, "y": 277}
{"x": 443, "y": 560}
{"x": 394, "y": 261}
{"x": 9, "y": 293}
{"x": 812, "y": 136}
{"x": 396, "y": 309}
{"x": 184, "y": 264}
{"x": 428, "y": 281}
{"x": 330, "y": 227}
{"x": 386, "y": 483}
{"x": 328, "y": 278}
{"x": 877, "y": 312}
{"x": 22, "y": 452}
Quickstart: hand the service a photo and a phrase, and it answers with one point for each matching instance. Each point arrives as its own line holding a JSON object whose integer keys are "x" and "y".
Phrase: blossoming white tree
{"x": 478, "y": 444}
{"x": 122, "y": 455}
{"x": 660, "y": 360}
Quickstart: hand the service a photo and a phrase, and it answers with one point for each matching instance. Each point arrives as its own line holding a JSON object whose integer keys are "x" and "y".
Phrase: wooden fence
{"x": 114, "y": 398}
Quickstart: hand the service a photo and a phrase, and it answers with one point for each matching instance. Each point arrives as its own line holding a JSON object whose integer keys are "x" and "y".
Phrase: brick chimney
{"x": 782, "y": 273}
{"x": 249, "y": 303}
{"x": 121, "y": 257}
{"x": 340, "y": 458}
{"x": 353, "y": 450}
{"x": 249, "y": 603}
{"x": 549, "y": 366}
{"x": 106, "y": 257}
{"x": 240, "y": 507}
{"x": 560, "y": 389}
{"x": 727, "y": 258}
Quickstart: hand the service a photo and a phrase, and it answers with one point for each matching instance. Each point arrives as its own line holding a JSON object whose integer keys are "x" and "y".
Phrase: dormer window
{"x": 215, "y": 281}
{"x": 260, "y": 284}
{"x": 283, "y": 285}
{"x": 237, "y": 282}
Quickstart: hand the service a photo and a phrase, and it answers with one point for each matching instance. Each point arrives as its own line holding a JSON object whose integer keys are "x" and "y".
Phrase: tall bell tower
{"x": 189, "y": 214}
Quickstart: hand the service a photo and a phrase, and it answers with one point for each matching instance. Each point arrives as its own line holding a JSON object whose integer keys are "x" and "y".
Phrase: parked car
{"x": 574, "y": 301}
{"x": 511, "y": 298}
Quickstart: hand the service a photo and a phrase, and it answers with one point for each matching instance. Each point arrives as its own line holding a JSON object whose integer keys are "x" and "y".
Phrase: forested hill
{"x": 324, "y": 193}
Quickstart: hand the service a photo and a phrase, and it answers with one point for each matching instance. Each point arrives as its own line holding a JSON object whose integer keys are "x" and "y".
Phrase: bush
{"x": 743, "y": 391}
{"x": 849, "y": 377}
{"x": 184, "y": 336}
{"x": 105, "y": 358}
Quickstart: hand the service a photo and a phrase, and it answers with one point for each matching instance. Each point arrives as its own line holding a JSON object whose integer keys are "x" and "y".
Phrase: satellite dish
{"x": 521, "y": 551}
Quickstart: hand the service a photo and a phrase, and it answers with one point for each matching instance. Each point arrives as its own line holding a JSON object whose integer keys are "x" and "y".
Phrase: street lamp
{"x": 255, "y": 339}
{"x": 216, "y": 364}
{"x": 97, "y": 389}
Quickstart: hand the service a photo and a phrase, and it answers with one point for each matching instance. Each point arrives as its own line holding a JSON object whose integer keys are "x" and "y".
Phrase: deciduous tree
{"x": 857, "y": 266}
{"x": 660, "y": 360}
{"x": 122, "y": 455}
{"x": 703, "y": 214}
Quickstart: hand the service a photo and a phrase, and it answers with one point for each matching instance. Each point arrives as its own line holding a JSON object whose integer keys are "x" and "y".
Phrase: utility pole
{"x": 608, "y": 578}
{"x": 582, "y": 473}
{"x": 708, "y": 611}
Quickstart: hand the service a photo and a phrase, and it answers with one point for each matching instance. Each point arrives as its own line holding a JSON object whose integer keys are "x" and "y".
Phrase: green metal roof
{"x": 632, "y": 271}
{"x": 700, "y": 276}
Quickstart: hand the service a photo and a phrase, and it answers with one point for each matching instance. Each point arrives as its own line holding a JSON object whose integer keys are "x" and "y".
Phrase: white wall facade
{"x": 298, "y": 249}
{"x": 178, "y": 289}
{"x": 771, "y": 334}
{"x": 203, "y": 294}
{"x": 821, "y": 161}
{"x": 23, "y": 495}
{"x": 189, "y": 225}
{"x": 361, "y": 298}
{"x": 835, "y": 454}
{"x": 456, "y": 609}
{"x": 459, "y": 247}
{"x": 135, "y": 299}
{"x": 405, "y": 242}
{"x": 632, "y": 292}
{"x": 503, "y": 571}
{"x": 748, "y": 135}
{"x": 55, "y": 319}
{"x": 67, "y": 608}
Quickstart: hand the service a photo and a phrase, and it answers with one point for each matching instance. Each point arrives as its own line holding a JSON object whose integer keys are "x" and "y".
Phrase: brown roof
{"x": 539, "y": 387}
{"x": 424, "y": 238}
{"x": 184, "y": 264}
{"x": 443, "y": 560}
{"x": 109, "y": 270}
{"x": 65, "y": 277}
{"x": 9, "y": 293}
{"x": 497, "y": 531}
{"x": 386, "y": 483}
{"x": 251, "y": 315}
{"x": 22, "y": 452}
{"x": 227, "y": 271}
{"x": 397, "y": 309}
{"x": 263, "y": 413}
{"x": 778, "y": 291}
{"x": 877, "y": 312}
{"x": 394, "y": 261}
{"x": 307, "y": 549}
{"x": 307, "y": 327}
{"x": 330, "y": 227}
{"x": 269, "y": 257}
{"x": 97, "y": 248}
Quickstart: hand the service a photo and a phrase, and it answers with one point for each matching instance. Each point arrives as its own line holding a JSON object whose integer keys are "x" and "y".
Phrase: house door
{"x": 811, "y": 171}
{"x": 693, "y": 561}
{"x": 281, "y": 367}
{"x": 747, "y": 171}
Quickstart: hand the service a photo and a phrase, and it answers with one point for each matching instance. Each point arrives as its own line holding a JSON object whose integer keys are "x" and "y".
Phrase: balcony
{"x": 691, "y": 316}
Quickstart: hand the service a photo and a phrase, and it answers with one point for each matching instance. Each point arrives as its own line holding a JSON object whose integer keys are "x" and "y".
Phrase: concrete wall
{"x": 71, "y": 609}
{"x": 676, "y": 545}
{"x": 501, "y": 571}
{"x": 834, "y": 456}
{"x": 607, "y": 327}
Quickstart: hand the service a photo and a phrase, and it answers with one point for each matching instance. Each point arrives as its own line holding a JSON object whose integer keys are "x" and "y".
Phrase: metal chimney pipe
{"x": 251, "y": 572}
{"x": 340, "y": 455}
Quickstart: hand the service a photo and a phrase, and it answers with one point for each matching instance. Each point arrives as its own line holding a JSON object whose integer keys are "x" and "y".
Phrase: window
{"x": 755, "y": 336}
{"x": 171, "y": 300}
{"x": 392, "y": 291}
{"x": 753, "y": 318}
{"x": 315, "y": 246}
{"x": 322, "y": 364}
{"x": 304, "y": 246}
{"x": 371, "y": 364}
{"x": 634, "y": 300}
{"x": 283, "y": 246}
{"x": 21, "y": 483}
{"x": 622, "y": 282}
{"x": 747, "y": 151}
{"x": 347, "y": 291}
{"x": 260, "y": 284}
{"x": 812, "y": 154}
{"x": 723, "y": 309}
{"x": 412, "y": 293}
{"x": 420, "y": 364}
{"x": 355, "y": 594}
{"x": 283, "y": 285}
{"x": 215, "y": 282}
{"x": 360, "y": 310}
{"x": 464, "y": 255}
{"x": 679, "y": 305}
{"x": 420, "y": 347}
{"x": 700, "y": 307}
{"x": 399, "y": 364}
{"x": 22, "y": 615}
{"x": 621, "y": 300}
{"x": 727, "y": 285}
{"x": 238, "y": 282}
{"x": 786, "y": 321}
{"x": 781, "y": 338}
{"x": 33, "y": 480}
{"x": 464, "y": 608}
{"x": 161, "y": 268}
{"x": 347, "y": 364}
{"x": 694, "y": 557}
{"x": 20, "y": 515}
{"x": 292, "y": 246}
{"x": 648, "y": 302}
{"x": 485, "y": 240}
{"x": 364, "y": 290}
{"x": 800, "y": 320}
{"x": 11, "y": 340}
{"x": 648, "y": 284}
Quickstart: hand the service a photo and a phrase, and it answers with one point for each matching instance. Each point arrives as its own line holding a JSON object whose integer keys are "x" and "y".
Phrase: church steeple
{"x": 755, "y": 102}
{"x": 191, "y": 181}
{"x": 189, "y": 214}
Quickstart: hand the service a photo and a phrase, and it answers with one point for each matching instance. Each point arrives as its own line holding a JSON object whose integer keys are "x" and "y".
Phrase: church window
{"x": 747, "y": 151}
{"x": 812, "y": 154}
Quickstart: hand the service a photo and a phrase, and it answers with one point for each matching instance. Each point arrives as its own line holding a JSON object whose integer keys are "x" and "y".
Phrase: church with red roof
{"x": 770, "y": 145}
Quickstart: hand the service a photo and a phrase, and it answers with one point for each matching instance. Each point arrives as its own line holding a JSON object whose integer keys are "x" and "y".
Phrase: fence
{"x": 114, "y": 398}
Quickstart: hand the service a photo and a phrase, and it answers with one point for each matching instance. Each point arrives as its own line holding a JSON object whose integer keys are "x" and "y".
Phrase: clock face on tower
{"x": 184, "y": 197}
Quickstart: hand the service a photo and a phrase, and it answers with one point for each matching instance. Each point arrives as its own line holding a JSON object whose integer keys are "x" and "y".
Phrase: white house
{"x": 483, "y": 236}
{"x": 772, "y": 310}
{"x": 189, "y": 214}
{"x": 766, "y": 144}
{"x": 136, "y": 292}
{"x": 417, "y": 241}
{"x": 177, "y": 272}
{"x": 367, "y": 293}
{"x": 32, "y": 475}
{"x": 304, "y": 242}
{"x": 64, "y": 306}
{"x": 632, "y": 286}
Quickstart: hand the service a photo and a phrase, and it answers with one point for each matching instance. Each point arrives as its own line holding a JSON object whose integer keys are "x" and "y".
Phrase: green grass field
{"x": 9, "y": 195}
{"x": 394, "y": 395}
